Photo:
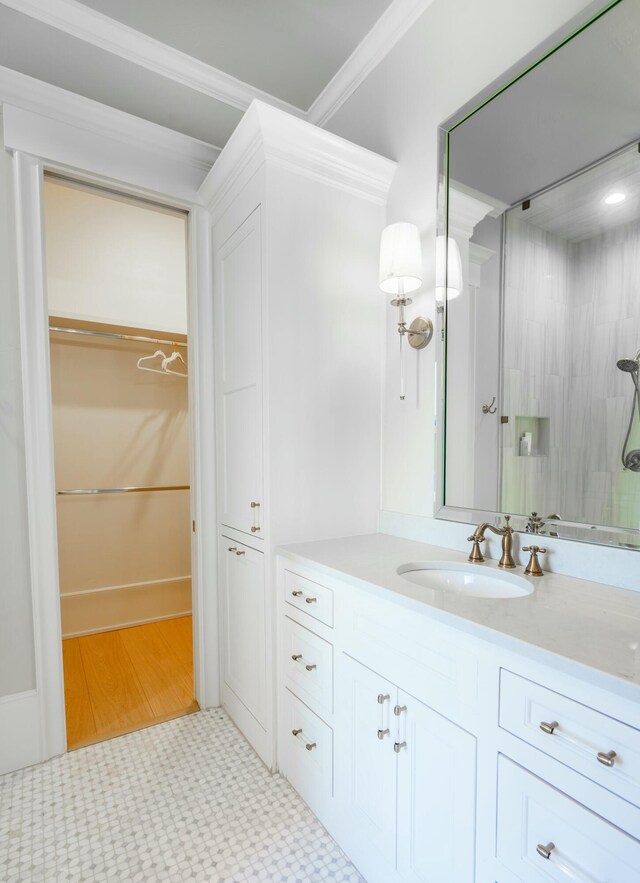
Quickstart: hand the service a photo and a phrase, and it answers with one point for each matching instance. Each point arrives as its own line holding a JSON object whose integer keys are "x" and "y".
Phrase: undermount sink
{"x": 471, "y": 580}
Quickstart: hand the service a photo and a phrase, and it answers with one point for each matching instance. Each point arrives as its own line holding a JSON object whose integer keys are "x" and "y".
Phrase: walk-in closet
{"x": 117, "y": 297}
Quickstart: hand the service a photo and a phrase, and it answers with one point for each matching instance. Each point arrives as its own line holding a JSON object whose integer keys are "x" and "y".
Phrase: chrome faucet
{"x": 505, "y": 532}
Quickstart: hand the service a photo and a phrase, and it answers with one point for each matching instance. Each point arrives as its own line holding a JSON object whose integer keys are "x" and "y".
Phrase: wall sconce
{"x": 448, "y": 270}
{"x": 401, "y": 273}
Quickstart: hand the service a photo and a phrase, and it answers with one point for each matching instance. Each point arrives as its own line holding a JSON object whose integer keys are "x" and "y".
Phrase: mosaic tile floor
{"x": 187, "y": 800}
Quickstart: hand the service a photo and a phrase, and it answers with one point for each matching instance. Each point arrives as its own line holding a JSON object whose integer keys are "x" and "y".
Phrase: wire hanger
{"x": 149, "y": 359}
{"x": 175, "y": 356}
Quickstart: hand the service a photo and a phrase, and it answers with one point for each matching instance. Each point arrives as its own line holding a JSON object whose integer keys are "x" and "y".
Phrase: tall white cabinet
{"x": 296, "y": 216}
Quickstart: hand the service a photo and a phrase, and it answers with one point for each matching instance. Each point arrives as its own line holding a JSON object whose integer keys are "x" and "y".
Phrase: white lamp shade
{"x": 448, "y": 268}
{"x": 400, "y": 258}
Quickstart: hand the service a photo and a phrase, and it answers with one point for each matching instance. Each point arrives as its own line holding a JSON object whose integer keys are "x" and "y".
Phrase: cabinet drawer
{"x": 307, "y": 752}
{"x": 313, "y": 599}
{"x": 308, "y": 667}
{"x": 574, "y": 734}
{"x": 581, "y": 845}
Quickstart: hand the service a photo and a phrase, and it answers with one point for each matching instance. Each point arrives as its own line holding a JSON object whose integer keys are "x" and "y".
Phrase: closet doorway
{"x": 117, "y": 301}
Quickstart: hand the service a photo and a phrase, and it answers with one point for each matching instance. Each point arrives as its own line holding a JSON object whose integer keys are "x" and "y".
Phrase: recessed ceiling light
{"x": 615, "y": 198}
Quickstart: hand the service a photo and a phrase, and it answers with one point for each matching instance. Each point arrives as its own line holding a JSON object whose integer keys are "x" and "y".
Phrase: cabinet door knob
{"x": 382, "y": 698}
{"x": 398, "y": 746}
{"x": 398, "y": 709}
{"x": 608, "y": 758}
{"x": 382, "y": 734}
{"x": 549, "y": 728}
{"x": 545, "y": 851}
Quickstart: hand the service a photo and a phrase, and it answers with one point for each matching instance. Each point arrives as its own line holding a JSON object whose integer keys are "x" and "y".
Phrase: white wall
{"x": 17, "y": 670}
{"x": 110, "y": 260}
{"x": 454, "y": 50}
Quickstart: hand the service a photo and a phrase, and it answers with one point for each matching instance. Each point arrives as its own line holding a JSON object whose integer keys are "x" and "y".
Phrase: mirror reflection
{"x": 543, "y": 331}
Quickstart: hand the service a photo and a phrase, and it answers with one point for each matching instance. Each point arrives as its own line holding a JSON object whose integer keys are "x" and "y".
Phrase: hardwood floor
{"x": 119, "y": 681}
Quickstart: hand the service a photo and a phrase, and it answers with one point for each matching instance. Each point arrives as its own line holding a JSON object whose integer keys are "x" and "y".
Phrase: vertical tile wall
{"x": 571, "y": 311}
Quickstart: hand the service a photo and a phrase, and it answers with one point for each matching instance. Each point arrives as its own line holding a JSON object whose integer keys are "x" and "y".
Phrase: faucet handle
{"x": 476, "y": 555}
{"x": 507, "y": 519}
{"x": 533, "y": 567}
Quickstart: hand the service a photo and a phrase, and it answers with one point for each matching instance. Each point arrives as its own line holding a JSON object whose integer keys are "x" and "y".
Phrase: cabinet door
{"x": 366, "y": 761}
{"x": 436, "y": 796}
{"x": 244, "y": 627}
{"x": 238, "y": 286}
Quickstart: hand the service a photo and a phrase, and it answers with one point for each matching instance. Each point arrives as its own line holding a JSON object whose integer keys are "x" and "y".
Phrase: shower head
{"x": 630, "y": 366}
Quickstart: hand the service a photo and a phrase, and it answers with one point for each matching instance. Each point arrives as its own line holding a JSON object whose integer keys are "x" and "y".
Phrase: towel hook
{"x": 490, "y": 408}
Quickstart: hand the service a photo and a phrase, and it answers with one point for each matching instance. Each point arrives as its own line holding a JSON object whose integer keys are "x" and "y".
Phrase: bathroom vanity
{"x": 453, "y": 737}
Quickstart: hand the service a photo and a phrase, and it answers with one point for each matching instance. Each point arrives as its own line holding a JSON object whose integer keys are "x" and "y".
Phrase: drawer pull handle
{"x": 608, "y": 758}
{"x": 549, "y": 727}
{"x": 232, "y": 549}
{"x": 311, "y": 600}
{"x": 308, "y": 745}
{"x": 240, "y": 552}
{"x": 545, "y": 851}
{"x": 382, "y": 734}
{"x": 255, "y": 529}
{"x": 398, "y": 746}
{"x": 310, "y": 666}
{"x": 297, "y": 594}
{"x": 255, "y": 505}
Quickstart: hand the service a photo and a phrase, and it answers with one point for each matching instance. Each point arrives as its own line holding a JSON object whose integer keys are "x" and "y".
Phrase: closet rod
{"x": 121, "y": 490}
{"x": 116, "y": 336}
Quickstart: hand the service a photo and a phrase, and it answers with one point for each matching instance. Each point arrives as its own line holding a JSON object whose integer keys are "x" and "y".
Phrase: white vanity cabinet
{"x": 296, "y": 215}
{"x": 405, "y": 780}
{"x": 436, "y": 756}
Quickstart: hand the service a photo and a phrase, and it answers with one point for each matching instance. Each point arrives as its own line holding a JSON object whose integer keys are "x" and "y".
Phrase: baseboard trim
{"x": 126, "y": 625}
{"x": 103, "y": 609}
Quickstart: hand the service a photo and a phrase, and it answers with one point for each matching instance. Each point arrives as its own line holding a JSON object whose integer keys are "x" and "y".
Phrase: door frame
{"x": 48, "y": 738}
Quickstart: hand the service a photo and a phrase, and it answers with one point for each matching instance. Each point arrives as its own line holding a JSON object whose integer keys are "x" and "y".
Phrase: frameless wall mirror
{"x": 540, "y": 200}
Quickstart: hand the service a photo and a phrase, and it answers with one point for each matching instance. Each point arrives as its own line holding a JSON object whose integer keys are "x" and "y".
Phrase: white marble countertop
{"x": 582, "y": 623}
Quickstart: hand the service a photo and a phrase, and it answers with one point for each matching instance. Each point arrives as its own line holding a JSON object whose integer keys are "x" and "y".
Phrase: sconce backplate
{"x": 420, "y": 333}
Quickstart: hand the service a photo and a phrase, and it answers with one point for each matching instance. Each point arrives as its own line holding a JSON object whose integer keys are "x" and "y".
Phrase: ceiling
{"x": 195, "y": 65}
{"x": 289, "y": 48}
{"x": 576, "y": 209}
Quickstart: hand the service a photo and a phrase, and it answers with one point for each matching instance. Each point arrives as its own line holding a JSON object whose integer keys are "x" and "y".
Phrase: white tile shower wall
{"x": 573, "y": 310}
{"x": 605, "y": 327}
{"x": 536, "y": 359}
{"x": 601, "y": 564}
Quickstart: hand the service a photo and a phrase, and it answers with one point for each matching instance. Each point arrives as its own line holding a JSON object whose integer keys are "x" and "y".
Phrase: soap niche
{"x": 531, "y": 437}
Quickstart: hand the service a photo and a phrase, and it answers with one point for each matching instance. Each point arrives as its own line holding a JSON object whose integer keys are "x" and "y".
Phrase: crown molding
{"x": 64, "y": 127}
{"x": 99, "y": 30}
{"x": 392, "y": 25}
{"x": 266, "y": 134}
{"x": 465, "y": 212}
